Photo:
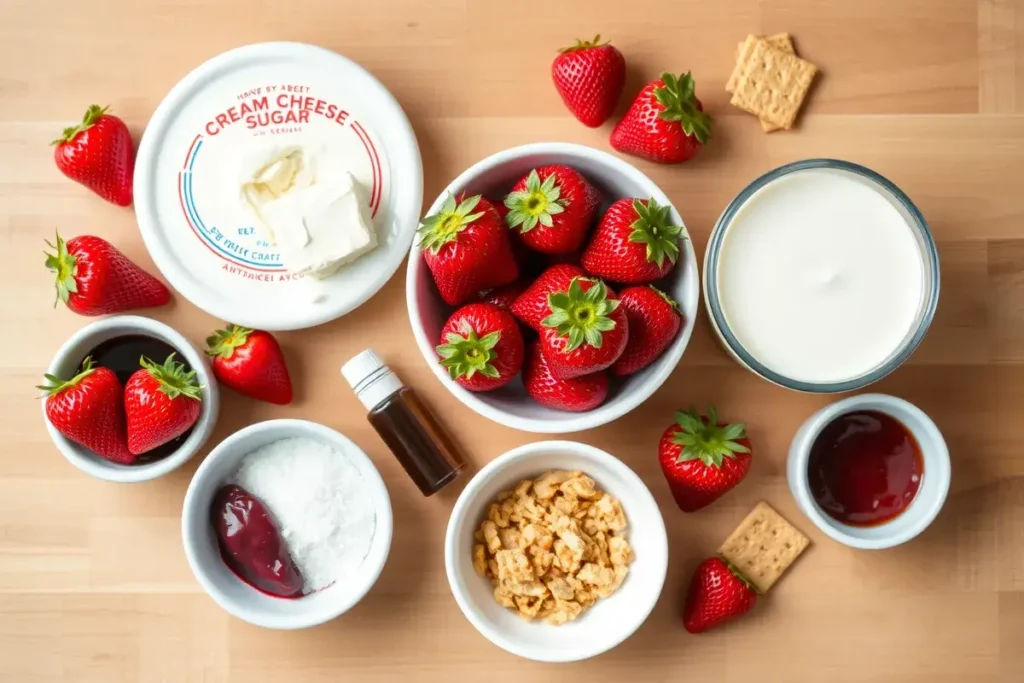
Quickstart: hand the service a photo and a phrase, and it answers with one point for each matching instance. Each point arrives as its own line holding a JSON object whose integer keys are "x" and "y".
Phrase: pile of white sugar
{"x": 319, "y": 499}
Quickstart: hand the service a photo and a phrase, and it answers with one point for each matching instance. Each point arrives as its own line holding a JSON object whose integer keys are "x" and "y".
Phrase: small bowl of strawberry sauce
{"x": 871, "y": 471}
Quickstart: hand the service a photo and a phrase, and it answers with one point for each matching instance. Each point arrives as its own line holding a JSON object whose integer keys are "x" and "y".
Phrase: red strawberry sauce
{"x": 251, "y": 545}
{"x": 865, "y": 468}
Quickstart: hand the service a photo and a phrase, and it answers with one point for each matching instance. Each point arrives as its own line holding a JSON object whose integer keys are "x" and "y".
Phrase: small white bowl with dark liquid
{"x": 118, "y": 342}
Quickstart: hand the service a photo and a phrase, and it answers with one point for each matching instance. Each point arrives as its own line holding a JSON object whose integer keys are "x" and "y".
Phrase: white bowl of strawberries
{"x": 553, "y": 287}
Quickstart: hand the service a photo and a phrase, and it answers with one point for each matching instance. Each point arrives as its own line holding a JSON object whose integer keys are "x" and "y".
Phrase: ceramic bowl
{"x": 611, "y": 620}
{"x": 239, "y": 598}
{"x": 70, "y": 356}
{"x": 510, "y": 405}
{"x": 930, "y": 496}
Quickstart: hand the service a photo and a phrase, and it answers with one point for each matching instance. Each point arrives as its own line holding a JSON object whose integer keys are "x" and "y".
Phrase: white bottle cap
{"x": 370, "y": 378}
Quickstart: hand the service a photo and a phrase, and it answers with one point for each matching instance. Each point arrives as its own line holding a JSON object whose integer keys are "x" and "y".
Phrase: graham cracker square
{"x": 763, "y": 546}
{"x": 771, "y": 84}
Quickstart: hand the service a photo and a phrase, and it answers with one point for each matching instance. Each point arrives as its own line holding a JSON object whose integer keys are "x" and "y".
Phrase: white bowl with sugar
{"x": 328, "y": 502}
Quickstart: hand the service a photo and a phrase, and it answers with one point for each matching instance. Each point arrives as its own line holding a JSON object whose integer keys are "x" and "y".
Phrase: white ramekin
{"x": 69, "y": 357}
{"x": 608, "y": 623}
{"x": 511, "y": 405}
{"x": 239, "y": 598}
{"x": 930, "y": 496}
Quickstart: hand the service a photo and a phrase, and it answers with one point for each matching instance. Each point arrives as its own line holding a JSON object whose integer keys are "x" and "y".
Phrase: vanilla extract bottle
{"x": 412, "y": 433}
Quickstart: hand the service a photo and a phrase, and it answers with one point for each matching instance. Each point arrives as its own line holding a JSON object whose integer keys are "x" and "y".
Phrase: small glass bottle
{"x": 406, "y": 425}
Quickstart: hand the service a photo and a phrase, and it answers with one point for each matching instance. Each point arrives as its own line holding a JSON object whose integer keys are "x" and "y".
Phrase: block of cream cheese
{"x": 315, "y": 211}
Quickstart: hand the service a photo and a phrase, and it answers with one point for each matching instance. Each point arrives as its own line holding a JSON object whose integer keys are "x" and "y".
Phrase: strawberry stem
{"x": 536, "y": 204}
{"x": 172, "y": 377}
{"x": 679, "y": 99}
{"x": 581, "y": 316}
{"x": 65, "y": 266}
{"x": 584, "y": 44}
{"x": 654, "y": 228}
{"x": 702, "y": 438}
{"x": 55, "y": 385}
{"x": 223, "y": 343}
{"x": 92, "y": 115}
{"x": 445, "y": 225}
{"x": 466, "y": 354}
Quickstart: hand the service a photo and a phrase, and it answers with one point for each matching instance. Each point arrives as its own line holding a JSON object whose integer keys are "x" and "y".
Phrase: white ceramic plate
{"x": 233, "y": 108}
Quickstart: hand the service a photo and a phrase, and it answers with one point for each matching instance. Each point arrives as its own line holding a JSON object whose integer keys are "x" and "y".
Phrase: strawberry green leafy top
{"x": 445, "y": 225}
{"x": 680, "y": 102}
{"x": 223, "y": 343}
{"x": 536, "y": 204}
{"x": 582, "y": 316}
{"x": 174, "y": 380}
{"x": 466, "y": 354}
{"x": 707, "y": 441}
{"x": 92, "y": 115}
{"x": 54, "y": 385}
{"x": 584, "y": 44}
{"x": 63, "y": 263}
{"x": 654, "y": 228}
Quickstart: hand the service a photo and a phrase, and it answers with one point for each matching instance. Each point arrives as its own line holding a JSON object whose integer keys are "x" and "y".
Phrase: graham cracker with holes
{"x": 781, "y": 42}
{"x": 772, "y": 84}
{"x": 763, "y": 546}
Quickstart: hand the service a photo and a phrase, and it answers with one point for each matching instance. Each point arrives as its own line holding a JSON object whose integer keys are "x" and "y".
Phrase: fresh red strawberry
{"x": 251, "y": 363}
{"x": 94, "y": 278}
{"x": 666, "y": 122}
{"x": 467, "y": 249}
{"x": 589, "y": 76}
{"x": 586, "y": 331}
{"x": 576, "y": 395}
{"x": 98, "y": 153}
{"x": 161, "y": 403}
{"x": 481, "y": 346}
{"x": 634, "y": 243}
{"x": 718, "y": 593}
{"x": 503, "y": 296}
{"x": 702, "y": 459}
{"x": 89, "y": 410}
{"x": 532, "y": 305}
{"x": 654, "y": 321}
{"x": 552, "y": 207}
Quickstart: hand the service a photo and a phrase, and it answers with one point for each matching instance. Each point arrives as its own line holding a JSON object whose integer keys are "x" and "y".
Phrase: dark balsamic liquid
{"x": 122, "y": 355}
{"x": 865, "y": 468}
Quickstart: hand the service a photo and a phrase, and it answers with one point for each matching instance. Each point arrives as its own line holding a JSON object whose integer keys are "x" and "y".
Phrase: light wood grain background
{"x": 94, "y": 586}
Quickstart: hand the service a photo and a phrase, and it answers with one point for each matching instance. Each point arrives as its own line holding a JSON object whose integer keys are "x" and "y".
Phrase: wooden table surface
{"x": 94, "y": 585}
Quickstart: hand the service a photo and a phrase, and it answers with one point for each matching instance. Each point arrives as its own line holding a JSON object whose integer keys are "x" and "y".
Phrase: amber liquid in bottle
{"x": 422, "y": 446}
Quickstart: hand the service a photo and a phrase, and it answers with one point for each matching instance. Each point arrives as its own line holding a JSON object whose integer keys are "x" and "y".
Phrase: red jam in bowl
{"x": 251, "y": 544}
{"x": 864, "y": 468}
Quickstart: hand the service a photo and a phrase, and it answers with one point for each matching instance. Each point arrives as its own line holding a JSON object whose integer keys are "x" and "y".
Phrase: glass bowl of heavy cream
{"x": 821, "y": 276}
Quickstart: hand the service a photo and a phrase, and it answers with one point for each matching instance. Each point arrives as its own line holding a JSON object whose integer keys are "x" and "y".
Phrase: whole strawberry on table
{"x": 98, "y": 153}
{"x": 250, "y": 362}
{"x": 589, "y": 77}
{"x": 94, "y": 278}
{"x": 703, "y": 458}
{"x": 666, "y": 122}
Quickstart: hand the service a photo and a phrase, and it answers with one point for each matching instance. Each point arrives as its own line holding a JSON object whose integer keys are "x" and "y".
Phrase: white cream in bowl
{"x": 821, "y": 276}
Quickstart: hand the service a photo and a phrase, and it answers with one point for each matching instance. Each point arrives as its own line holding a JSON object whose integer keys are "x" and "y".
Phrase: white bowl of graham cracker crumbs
{"x": 618, "y": 520}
